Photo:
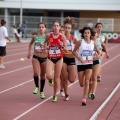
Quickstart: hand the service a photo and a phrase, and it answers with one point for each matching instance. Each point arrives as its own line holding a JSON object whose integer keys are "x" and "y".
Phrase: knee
{"x": 48, "y": 77}
{"x": 36, "y": 74}
{"x": 87, "y": 82}
{"x": 71, "y": 80}
{"x": 81, "y": 85}
{"x": 94, "y": 79}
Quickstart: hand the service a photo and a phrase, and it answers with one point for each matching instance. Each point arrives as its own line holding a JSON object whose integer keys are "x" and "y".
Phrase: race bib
{"x": 87, "y": 56}
{"x": 39, "y": 48}
{"x": 54, "y": 51}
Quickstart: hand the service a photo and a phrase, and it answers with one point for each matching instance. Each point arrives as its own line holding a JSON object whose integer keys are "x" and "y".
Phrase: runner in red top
{"x": 56, "y": 42}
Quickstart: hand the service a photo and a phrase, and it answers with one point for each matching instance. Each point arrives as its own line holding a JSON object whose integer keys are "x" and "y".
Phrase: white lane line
{"x": 98, "y": 111}
{"x": 34, "y": 107}
{"x": 40, "y": 103}
{"x": 15, "y": 70}
{"x": 16, "y": 86}
{"x": 111, "y": 60}
{"x": 16, "y": 54}
{"x": 113, "y": 47}
{"x": 16, "y": 46}
{"x": 14, "y": 61}
{"x": 18, "y": 49}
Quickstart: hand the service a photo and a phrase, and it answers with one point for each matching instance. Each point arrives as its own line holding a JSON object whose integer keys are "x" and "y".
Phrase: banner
{"x": 113, "y": 37}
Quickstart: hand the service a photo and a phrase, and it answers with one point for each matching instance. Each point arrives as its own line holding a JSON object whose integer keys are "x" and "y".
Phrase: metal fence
{"x": 109, "y": 25}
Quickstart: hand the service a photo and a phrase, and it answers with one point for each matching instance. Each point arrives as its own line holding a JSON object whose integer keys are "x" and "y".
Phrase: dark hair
{"x": 56, "y": 21}
{"x": 42, "y": 23}
{"x": 83, "y": 30}
{"x": 14, "y": 26}
{"x": 98, "y": 24}
{"x": 3, "y": 22}
{"x": 70, "y": 20}
{"x": 93, "y": 31}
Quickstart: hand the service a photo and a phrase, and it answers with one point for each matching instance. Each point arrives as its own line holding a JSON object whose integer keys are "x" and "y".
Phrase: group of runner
{"x": 57, "y": 53}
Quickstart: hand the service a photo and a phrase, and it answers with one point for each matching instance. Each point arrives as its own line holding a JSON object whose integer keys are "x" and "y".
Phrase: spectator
{"x": 24, "y": 27}
{"x": 15, "y": 32}
{"x": 19, "y": 28}
{"x": 3, "y": 37}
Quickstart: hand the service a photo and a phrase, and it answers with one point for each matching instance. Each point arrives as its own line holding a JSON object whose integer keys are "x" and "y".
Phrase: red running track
{"x": 18, "y": 102}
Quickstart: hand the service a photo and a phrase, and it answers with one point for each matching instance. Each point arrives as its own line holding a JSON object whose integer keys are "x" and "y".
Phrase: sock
{"x": 36, "y": 79}
{"x": 50, "y": 81}
{"x": 42, "y": 84}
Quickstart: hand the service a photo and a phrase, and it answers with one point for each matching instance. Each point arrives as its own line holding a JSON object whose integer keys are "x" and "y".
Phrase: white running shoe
{"x": 62, "y": 93}
{"x": 2, "y": 66}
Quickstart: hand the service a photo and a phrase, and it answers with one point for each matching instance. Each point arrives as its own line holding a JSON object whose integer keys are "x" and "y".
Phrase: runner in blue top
{"x": 39, "y": 58}
{"x": 96, "y": 64}
{"x": 103, "y": 38}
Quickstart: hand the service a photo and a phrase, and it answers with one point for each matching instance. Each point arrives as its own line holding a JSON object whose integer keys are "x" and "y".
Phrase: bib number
{"x": 54, "y": 51}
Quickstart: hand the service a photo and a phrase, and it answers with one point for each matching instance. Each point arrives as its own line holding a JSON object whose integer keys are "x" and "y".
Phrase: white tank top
{"x": 86, "y": 52}
{"x": 101, "y": 37}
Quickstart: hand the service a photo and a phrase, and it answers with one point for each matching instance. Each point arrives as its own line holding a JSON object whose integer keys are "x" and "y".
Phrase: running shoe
{"x": 54, "y": 98}
{"x": 35, "y": 90}
{"x": 50, "y": 82}
{"x": 89, "y": 96}
{"x": 83, "y": 102}
{"x": 2, "y": 66}
{"x": 92, "y": 96}
{"x": 98, "y": 78}
{"x": 42, "y": 96}
{"x": 66, "y": 98}
{"x": 62, "y": 93}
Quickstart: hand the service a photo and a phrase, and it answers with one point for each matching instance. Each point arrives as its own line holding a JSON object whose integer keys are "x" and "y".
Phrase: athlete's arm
{"x": 105, "y": 49}
{"x": 97, "y": 50}
{"x": 77, "y": 45}
{"x": 106, "y": 39}
{"x": 46, "y": 41}
{"x": 30, "y": 47}
{"x": 64, "y": 43}
{"x": 75, "y": 40}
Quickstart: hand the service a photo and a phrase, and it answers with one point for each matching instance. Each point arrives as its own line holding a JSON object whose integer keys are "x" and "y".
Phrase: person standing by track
{"x": 3, "y": 37}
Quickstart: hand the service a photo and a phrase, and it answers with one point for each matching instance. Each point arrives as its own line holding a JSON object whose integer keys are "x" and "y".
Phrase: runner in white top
{"x": 85, "y": 59}
{"x": 3, "y": 37}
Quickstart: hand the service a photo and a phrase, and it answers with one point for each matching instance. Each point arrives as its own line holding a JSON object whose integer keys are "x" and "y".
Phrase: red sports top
{"x": 55, "y": 49}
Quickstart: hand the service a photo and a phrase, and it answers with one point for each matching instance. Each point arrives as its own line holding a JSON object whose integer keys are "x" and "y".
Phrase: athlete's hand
{"x": 107, "y": 55}
{"x": 41, "y": 44}
{"x": 60, "y": 42}
{"x": 46, "y": 51}
{"x": 33, "y": 34}
{"x": 81, "y": 60}
{"x": 28, "y": 55}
